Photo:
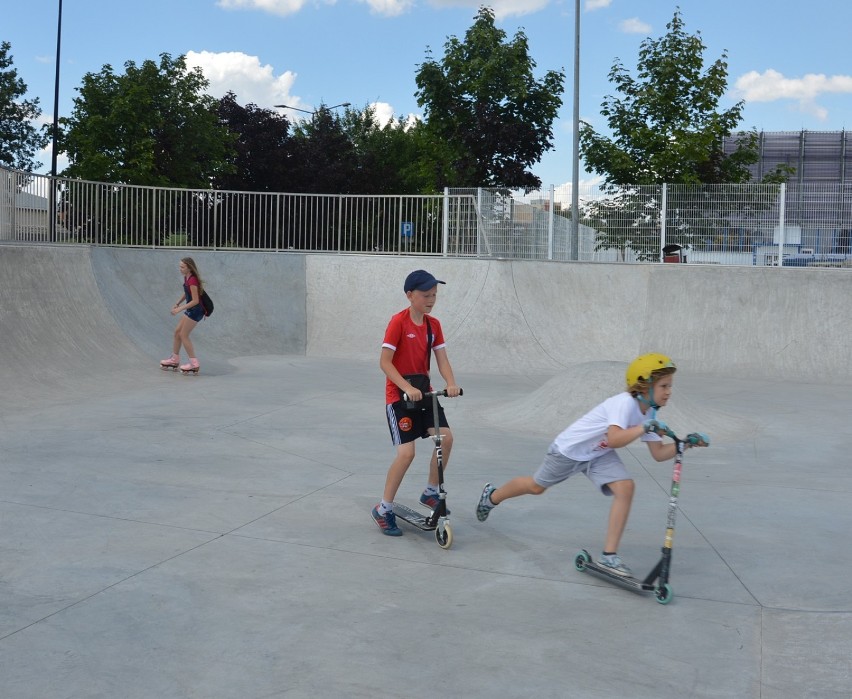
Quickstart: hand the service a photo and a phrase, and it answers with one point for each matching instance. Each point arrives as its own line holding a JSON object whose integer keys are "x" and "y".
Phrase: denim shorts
{"x": 195, "y": 313}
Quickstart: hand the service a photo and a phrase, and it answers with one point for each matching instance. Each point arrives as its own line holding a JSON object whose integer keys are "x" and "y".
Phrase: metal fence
{"x": 793, "y": 225}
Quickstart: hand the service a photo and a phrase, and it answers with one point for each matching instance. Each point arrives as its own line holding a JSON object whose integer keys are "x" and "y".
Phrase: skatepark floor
{"x": 176, "y": 536}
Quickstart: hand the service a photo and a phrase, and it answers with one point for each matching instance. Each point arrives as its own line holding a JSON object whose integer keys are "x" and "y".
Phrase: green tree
{"x": 489, "y": 117}
{"x": 262, "y": 158}
{"x": 389, "y": 157}
{"x": 153, "y": 125}
{"x": 325, "y": 159}
{"x": 20, "y": 140}
{"x": 668, "y": 128}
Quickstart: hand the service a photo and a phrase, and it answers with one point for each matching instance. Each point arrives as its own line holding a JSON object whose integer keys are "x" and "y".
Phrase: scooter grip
{"x": 440, "y": 393}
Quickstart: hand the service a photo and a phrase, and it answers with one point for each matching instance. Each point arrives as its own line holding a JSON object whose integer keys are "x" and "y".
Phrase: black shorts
{"x": 407, "y": 425}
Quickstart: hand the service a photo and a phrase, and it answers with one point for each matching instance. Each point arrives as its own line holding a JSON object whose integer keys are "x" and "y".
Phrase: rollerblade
{"x": 170, "y": 364}
{"x": 190, "y": 367}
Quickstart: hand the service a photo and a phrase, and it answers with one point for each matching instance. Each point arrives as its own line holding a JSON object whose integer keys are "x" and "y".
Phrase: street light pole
{"x": 575, "y": 165}
{"x": 312, "y": 111}
{"x": 54, "y": 154}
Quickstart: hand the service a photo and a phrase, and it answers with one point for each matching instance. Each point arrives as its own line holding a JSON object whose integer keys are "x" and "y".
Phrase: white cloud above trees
{"x": 773, "y": 86}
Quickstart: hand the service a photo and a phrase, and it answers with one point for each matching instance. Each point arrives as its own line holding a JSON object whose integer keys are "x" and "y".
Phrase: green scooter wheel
{"x": 664, "y": 594}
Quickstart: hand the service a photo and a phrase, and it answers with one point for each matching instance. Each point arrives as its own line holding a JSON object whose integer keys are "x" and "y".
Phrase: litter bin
{"x": 674, "y": 253}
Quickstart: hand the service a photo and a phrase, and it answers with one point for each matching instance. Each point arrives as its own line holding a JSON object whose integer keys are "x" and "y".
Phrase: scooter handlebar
{"x": 429, "y": 394}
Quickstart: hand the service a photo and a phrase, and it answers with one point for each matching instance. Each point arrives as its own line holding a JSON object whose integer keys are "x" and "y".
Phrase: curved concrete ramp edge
{"x": 541, "y": 317}
{"x": 71, "y": 316}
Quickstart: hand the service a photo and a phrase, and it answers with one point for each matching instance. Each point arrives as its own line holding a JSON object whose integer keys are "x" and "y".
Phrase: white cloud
{"x": 502, "y": 8}
{"x": 244, "y": 75}
{"x": 634, "y": 25}
{"x": 389, "y": 8}
{"x": 385, "y": 114}
{"x": 771, "y": 86}
{"x": 275, "y": 7}
{"x": 393, "y": 8}
{"x": 592, "y": 5}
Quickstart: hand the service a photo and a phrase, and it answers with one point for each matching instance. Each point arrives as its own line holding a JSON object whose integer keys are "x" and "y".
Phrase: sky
{"x": 787, "y": 60}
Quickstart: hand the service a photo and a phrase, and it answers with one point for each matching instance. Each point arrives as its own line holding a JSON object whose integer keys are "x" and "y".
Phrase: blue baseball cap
{"x": 421, "y": 280}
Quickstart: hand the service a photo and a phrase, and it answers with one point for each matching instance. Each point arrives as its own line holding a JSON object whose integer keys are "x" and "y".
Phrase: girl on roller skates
{"x": 190, "y": 303}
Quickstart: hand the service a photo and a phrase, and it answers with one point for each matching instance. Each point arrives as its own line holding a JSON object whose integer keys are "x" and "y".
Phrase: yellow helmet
{"x": 640, "y": 369}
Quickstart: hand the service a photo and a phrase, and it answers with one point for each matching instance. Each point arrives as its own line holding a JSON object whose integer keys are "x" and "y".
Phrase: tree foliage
{"x": 262, "y": 159}
{"x": 20, "y": 140}
{"x": 392, "y": 158}
{"x": 324, "y": 155}
{"x": 668, "y": 129}
{"x": 488, "y": 116}
{"x": 153, "y": 125}
{"x": 667, "y": 125}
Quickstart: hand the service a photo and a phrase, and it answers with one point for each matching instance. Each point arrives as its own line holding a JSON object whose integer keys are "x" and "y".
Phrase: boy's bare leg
{"x": 522, "y": 485}
{"x": 622, "y": 498}
{"x": 397, "y": 470}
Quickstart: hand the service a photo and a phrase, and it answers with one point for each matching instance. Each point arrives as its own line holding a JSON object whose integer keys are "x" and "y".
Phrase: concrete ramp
{"x": 73, "y": 315}
{"x": 259, "y": 299}
{"x": 58, "y": 336}
{"x": 541, "y": 317}
{"x": 553, "y": 406}
{"x": 77, "y": 320}
{"x": 498, "y": 316}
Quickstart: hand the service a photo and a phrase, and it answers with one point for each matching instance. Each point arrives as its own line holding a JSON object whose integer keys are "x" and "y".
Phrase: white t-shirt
{"x": 585, "y": 439}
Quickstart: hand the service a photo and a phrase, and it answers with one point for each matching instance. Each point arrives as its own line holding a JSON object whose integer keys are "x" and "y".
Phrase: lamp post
{"x": 54, "y": 154}
{"x": 313, "y": 111}
{"x": 575, "y": 165}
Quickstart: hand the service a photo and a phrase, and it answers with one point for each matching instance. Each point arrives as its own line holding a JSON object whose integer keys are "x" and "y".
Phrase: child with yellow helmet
{"x": 589, "y": 446}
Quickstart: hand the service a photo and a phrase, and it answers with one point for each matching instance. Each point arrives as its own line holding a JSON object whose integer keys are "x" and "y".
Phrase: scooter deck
{"x": 627, "y": 580}
{"x": 584, "y": 561}
{"x": 418, "y": 519}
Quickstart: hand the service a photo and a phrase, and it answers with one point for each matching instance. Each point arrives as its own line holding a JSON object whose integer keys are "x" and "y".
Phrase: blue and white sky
{"x": 787, "y": 60}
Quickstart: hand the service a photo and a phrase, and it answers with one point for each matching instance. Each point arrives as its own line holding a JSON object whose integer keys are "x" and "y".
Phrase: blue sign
{"x": 406, "y": 229}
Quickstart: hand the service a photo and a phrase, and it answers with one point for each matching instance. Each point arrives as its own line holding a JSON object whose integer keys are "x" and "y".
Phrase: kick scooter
{"x": 658, "y": 579}
{"x": 437, "y": 520}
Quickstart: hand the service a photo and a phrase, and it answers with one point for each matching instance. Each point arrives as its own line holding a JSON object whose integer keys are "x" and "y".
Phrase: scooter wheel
{"x": 581, "y": 559}
{"x": 444, "y": 536}
{"x": 664, "y": 594}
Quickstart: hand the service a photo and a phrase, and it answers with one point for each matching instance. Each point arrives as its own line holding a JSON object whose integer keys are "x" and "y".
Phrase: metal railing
{"x": 793, "y": 225}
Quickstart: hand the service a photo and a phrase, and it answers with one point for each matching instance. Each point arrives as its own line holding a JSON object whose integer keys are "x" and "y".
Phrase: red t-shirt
{"x": 408, "y": 342}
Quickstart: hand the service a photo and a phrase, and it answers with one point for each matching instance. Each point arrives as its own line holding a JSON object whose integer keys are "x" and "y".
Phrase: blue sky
{"x": 787, "y": 60}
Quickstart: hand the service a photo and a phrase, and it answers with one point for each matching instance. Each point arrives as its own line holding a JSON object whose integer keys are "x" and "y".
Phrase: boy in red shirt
{"x": 410, "y": 339}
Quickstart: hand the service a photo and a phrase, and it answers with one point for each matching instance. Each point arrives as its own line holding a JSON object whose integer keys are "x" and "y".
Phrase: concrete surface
{"x": 209, "y": 536}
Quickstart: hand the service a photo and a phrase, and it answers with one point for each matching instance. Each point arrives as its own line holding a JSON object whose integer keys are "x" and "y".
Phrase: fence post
{"x": 550, "y": 215}
{"x": 782, "y": 207}
{"x": 445, "y": 243}
{"x": 480, "y": 229}
{"x": 663, "y": 206}
{"x": 339, "y": 223}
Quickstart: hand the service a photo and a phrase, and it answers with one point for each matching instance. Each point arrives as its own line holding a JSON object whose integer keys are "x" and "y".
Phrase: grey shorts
{"x": 601, "y": 471}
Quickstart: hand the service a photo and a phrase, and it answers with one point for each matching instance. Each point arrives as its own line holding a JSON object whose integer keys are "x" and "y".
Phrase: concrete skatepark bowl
{"x": 209, "y": 536}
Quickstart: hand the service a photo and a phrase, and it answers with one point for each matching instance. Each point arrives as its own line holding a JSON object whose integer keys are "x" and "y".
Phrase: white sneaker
{"x": 614, "y": 564}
